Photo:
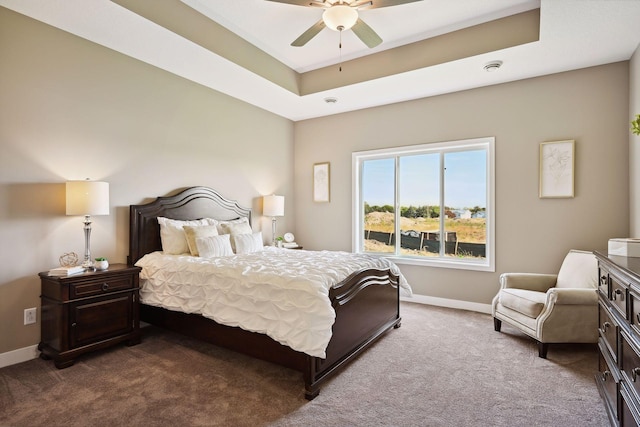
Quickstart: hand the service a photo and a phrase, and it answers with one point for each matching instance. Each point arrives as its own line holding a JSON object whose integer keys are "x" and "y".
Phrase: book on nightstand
{"x": 66, "y": 271}
{"x": 289, "y": 245}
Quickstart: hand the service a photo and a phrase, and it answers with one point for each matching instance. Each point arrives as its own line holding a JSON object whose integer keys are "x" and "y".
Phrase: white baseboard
{"x": 450, "y": 303}
{"x": 18, "y": 356}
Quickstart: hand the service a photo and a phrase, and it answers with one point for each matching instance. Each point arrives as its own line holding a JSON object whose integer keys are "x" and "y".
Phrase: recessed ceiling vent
{"x": 492, "y": 66}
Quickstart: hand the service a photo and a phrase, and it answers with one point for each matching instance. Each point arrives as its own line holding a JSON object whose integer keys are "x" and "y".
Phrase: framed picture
{"x": 321, "y": 182}
{"x": 556, "y": 169}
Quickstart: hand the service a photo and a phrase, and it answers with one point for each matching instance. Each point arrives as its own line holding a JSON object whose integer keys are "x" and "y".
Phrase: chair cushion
{"x": 529, "y": 303}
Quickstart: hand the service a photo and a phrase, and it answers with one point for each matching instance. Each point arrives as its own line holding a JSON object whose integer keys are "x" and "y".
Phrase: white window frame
{"x": 357, "y": 214}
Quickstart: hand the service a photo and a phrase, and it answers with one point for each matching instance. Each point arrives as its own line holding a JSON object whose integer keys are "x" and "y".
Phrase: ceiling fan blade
{"x": 376, "y": 4}
{"x": 366, "y": 34}
{"x": 309, "y": 34}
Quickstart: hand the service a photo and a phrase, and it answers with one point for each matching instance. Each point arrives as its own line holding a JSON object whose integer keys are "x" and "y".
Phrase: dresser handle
{"x": 634, "y": 374}
{"x": 74, "y": 324}
{"x": 105, "y": 286}
{"x": 605, "y": 326}
{"x": 617, "y": 292}
{"x": 605, "y": 375}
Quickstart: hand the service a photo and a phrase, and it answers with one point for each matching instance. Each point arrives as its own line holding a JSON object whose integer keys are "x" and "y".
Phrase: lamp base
{"x": 87, "y": 263}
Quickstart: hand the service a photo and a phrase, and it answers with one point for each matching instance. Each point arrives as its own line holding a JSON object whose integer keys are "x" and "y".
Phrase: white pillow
{"x": 235, "y": 228}
{"x": 174, "y": 241}
{"x": 225, "y": 227}
{"x": 248, "y": 243}
{"x": 192, "y": 233}
{"x": 214, "y": 246}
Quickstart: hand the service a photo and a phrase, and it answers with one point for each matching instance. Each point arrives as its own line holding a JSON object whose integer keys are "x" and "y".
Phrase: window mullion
{"x": 442, "y": 210}
{"x": 396, "y": 204}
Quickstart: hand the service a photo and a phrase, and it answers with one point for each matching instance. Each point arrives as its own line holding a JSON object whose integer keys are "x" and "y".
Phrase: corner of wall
{"x": 634, "y": 145}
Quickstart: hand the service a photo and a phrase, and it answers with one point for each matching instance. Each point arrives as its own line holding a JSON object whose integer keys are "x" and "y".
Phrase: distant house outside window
{"x": 429, "y": 204}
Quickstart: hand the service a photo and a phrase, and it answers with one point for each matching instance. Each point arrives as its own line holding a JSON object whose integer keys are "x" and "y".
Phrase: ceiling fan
{"x": 342, "y": 15}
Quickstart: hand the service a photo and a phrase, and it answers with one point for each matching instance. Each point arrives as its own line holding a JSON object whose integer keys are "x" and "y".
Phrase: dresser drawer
{"x": 630, "y": 362}
{"x": 100, "y": 285}
{"x": 634, "y": 310}
{"x": 603, "y": 282}
{"x": 608, "y": 381}
{"x": 619, "y": 295}
{"x": 608, "y": 330}
{"x": 630, "y": 416}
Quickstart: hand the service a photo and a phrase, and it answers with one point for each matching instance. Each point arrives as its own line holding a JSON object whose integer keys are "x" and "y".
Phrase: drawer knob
{"x": 605, "y": 326}
{"x": 634, "y": 374}
{"x": 74, "y": 324}
{"x": 616, "y": 293}
{"x": 105, "y": 286}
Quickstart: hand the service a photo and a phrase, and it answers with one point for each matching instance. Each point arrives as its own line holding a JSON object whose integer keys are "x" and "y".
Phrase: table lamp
{"x": 87, "y": 198}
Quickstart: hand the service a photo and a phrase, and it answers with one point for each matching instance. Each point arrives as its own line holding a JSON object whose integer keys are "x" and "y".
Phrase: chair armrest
{"x": 528, "y": 281}
{"x": 573, "y": 296}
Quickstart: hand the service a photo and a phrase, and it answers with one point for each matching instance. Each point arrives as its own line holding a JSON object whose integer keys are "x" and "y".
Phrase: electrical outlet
{"x": 29, "y": 316}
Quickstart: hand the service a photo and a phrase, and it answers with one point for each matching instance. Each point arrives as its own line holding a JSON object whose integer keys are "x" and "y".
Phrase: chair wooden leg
{"x": 497, "y": 324}
{"x": 542, "y": 349}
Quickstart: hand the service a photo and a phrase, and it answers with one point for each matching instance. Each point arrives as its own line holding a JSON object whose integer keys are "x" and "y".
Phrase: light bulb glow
{"x": 340, "y": 17}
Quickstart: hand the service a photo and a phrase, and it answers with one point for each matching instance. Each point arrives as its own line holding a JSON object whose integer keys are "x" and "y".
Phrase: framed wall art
{"x": 321, "y": 177}
{"x": 557, "y": 169}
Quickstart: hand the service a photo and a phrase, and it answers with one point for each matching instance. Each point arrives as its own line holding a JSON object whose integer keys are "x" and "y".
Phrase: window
{"x": 429, "y": 204}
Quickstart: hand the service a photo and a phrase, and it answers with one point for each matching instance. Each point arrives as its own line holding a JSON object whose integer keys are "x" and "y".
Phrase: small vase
{"x": 102, "y": 265}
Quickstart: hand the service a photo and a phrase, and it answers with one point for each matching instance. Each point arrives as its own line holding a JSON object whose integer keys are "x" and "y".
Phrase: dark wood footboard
{"x": 366, "y": 305}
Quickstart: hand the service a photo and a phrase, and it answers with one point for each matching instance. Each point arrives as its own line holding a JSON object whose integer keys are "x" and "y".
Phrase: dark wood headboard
{"x": 191, "y": 203}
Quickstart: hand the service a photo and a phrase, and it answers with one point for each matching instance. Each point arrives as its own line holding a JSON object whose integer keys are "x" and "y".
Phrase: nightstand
{"x": 88, "y": 311}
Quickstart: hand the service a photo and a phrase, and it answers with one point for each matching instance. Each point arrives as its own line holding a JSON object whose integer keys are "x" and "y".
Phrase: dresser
{"x": 618, "y": 378}
{"x": 88, "y": 311}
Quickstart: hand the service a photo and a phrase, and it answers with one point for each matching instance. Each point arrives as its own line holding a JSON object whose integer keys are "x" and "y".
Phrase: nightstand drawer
{"x": 98, "y": 285}
{"x": 100, "y": 318}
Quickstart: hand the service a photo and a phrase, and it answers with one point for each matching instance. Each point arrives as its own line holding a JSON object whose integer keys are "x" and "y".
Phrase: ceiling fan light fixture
{"x": 340, "y": 17}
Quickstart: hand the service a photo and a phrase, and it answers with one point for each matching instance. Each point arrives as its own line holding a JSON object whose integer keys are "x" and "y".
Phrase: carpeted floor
{"x": 443, "y": 367}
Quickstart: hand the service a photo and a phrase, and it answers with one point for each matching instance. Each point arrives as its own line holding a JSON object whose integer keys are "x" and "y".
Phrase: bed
{"x": 366, "y": 303}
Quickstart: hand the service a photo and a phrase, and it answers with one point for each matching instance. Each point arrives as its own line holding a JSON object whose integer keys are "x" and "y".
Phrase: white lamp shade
{"x": 87, "y": 198}
{"x": 273, "y": 205}
{"x": 340, "y": 16}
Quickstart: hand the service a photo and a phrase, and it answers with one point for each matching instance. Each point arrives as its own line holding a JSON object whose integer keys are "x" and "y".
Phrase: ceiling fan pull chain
{"x": 340, "y": 48}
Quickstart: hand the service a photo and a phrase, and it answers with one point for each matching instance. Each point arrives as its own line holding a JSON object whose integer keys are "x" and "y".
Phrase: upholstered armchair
{"x": 552, "y": 308}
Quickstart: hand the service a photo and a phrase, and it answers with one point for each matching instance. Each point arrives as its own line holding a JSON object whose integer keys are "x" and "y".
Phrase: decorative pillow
{"x": 248, "y": 243}
{"x": 224, "y": 226}
{"x": 235, "y": 228}
{"x": 192, "y": 233}
{"x": 214, "y": 246}
{"x": 174, "y": 241}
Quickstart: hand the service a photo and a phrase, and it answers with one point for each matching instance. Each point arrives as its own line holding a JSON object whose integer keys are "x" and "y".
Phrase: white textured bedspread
{"x": 281, "y": 293}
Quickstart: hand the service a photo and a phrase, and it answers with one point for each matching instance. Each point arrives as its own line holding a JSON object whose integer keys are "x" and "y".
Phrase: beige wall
{"x": 71, "y": 109}
{"x": 634, "y": 144}
{"x": 589, "y": 106}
